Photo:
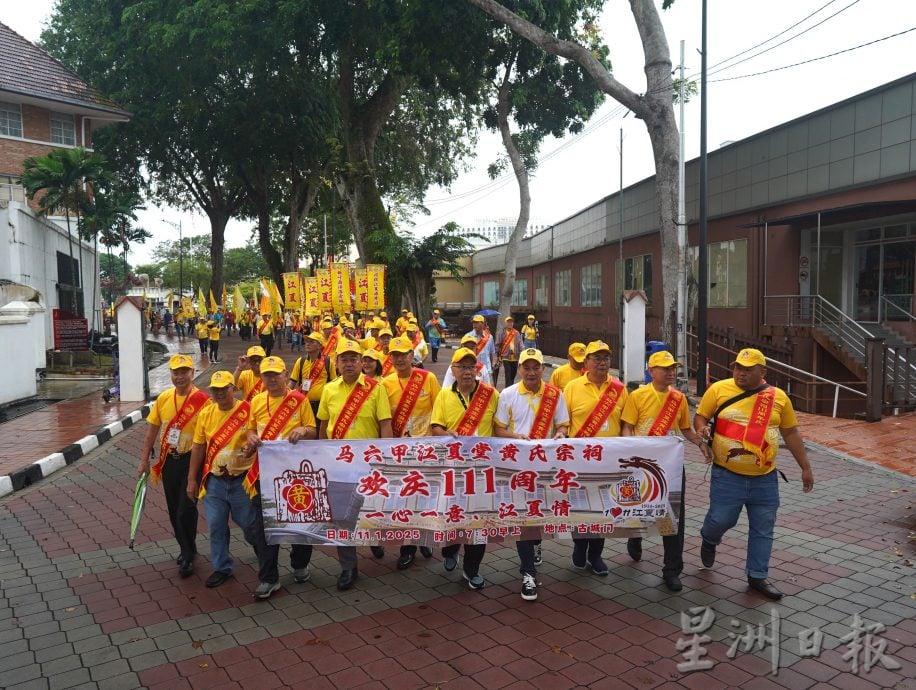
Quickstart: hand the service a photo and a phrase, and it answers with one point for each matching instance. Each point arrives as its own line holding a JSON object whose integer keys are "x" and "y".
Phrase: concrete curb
{"x": 31, "y": 473}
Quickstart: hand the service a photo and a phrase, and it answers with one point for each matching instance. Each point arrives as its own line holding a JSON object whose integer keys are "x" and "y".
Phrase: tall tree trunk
{"x": 218, "y": 218}
{"x": 655, "y": 108}
{"x": 75, "y": 278}
{"x": 524, "y": 194}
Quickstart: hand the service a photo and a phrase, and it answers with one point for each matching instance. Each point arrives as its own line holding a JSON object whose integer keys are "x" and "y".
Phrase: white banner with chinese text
{"x": 439, "y": 490}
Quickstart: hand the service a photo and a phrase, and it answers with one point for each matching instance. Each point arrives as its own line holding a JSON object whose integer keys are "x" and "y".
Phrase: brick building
{"x": 44, "y": 106}
{"x": 811, "y": 241}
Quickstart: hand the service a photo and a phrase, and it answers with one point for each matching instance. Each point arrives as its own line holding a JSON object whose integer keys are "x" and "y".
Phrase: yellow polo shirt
{"x": 267, "y": 330}
{"x": 214, "y": 332}
{"x": 564, "y": 374}
{"x": 263, "y": 407}
{"x": 448, "y": 411}
{"x": 247, "y": 381}
{"x": 374, "y": 410}
{"x": 581, "y": 397}
{"x": 782, "y": 417}
{"x": 643, "y": 405}
{"x": 210, "y": 421}
{"x": 422, "y": 410}
{"x": 164, "y": 410}
{"x": 302, "y": 369}
{"x": 529, "y": 332}
{"x": 203, "y": 333}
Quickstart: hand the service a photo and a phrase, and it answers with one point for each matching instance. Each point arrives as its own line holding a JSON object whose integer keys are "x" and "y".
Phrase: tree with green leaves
{"x": 654, "y": 107}
{"x": 63, "y": 176}
{"x": 542, "y": 95}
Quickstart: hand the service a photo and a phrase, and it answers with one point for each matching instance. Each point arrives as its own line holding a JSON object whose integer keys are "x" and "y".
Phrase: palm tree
{"x": 62, "y": 175}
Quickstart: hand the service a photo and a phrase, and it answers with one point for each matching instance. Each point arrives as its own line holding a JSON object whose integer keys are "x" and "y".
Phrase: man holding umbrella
{"x": 173, "y": 420}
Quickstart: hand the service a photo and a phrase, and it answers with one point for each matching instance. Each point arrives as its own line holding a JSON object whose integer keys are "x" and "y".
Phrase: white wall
{"x": 28, "y": 255}
{"x": 19, "y": 324}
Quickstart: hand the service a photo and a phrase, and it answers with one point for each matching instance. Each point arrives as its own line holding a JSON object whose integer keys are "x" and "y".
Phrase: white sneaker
{"x": 529, "y": 588}
{"x": 265, "y": 589}
{"x": 301, "y": 575}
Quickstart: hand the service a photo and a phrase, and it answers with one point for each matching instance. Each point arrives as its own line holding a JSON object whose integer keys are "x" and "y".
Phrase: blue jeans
{"x": 225, "y": 496}
{"x": 759, "y": 495}
{"x": 529, "y": 343}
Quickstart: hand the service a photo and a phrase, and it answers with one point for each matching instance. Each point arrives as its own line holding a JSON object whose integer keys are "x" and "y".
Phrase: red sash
{"x": 387, "y": 365}
{"x": 192, "y": 404}
{"x": 255, "y": 389}
{"x": 752, "y": 436}
{"x": 237, "y": 420}
{"x": 508, "y": 339}
{"x": 475, "y": 411}
{"x": 409, "y": 397}
{"x": 605, "y": 405}
{"x": 416, "y": 341}
{"x": 285, "y": 411}
{"x": 331, "y": 345}
{"x": 315, "y": 371}
{"x": 263, "y": 325}
{"x": 666, "y": 416}
{"x": 482, "y": 343}
{"x": 544, "y": 417}
{"x": 358, "y": 397}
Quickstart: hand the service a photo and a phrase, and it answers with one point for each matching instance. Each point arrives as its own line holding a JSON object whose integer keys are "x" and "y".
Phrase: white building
{"x": 496, "y": 231}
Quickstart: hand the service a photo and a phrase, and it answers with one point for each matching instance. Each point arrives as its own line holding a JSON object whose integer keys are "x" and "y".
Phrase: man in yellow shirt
{"x": 203, "y": 335}
{"x": 411, "y": 394}
{"x": 312, "y": 372}
{"x": 573, "y": 369}
{"x": 595, "y": 403}
{"x": 279, "y": 413}
{"x": 466, "y": 408}
{"x": 401, "y": 323}
{"x": 220, "y": 460}
{"x": 247, "y": 372}
{"x": 265, "y": 330}
{"x": 658, "y": 409}
{"x": 352, "y": 406}
{"x": 742, "y": 419}
{"x": 213, "y": 328}
{"x": 172, "y": 420}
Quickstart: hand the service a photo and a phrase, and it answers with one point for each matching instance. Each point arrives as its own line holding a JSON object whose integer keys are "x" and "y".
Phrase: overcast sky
{"x": 578, "y": 171}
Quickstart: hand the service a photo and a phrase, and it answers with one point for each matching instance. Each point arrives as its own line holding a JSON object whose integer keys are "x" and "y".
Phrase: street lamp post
{"x": 180, "y": 260}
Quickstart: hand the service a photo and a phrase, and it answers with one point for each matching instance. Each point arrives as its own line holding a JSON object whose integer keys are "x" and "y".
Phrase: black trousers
{"x": 473, "y": 555}
{"x": 673, "y": 543}
{"x": 593, "y": 547}
{"x": 214, "y": 350}
{"x": 182, "y": 510}
{"x": 204, "y": 342}
{"x": 267, "y": 342}
{"x": 510, "y": 369}
{"x": 525, "y": 549}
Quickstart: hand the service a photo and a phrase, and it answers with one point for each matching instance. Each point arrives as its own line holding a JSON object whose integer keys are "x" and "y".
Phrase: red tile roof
{"x": 27, "y": 70}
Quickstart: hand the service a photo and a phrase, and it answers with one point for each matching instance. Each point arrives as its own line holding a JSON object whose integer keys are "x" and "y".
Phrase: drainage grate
{"x": 20, "y": 409}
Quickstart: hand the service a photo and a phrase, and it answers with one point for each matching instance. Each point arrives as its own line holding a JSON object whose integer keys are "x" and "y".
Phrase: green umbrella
{"x": 139, "y": 500}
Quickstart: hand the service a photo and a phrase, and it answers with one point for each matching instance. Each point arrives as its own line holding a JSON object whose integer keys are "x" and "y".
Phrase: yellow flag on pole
{"x": 311, "y": 297}
{"x": 238, "y": 302}
{"x": 292, "y": 290}
{"x": 323, "y": 276}
{"x": 201, "y": 302}
{"x": 223, "y": 300}
{"x": 362, "y": 289}
{"x": 340, "y": 288}
{"x": 168, "y": 300}
{"x": 375, "y": 274}
{"x": 213, "y": 305}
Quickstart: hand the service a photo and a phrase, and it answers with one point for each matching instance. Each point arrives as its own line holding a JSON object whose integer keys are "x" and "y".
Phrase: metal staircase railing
{"x": 896, "y": 308}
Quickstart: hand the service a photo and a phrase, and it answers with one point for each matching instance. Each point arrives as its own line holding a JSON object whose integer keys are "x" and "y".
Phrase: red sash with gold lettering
{"x": 263, "y": 326}
{"x": 666, "y": 416}
{"x": 315, "y": 371}
{"x": 357, "y": 398}
{"x": 237, "y": 420}
{"x": 508, "y": 339}
{"x": 387, "y": 365}
{"x": 255, "y": 389}
{"x": 476, "y": 409}
{"x": 290, "y": 405}
{"x": 482, "y": 343}
{"x": 544, "y": 417}
{"x": 409, "y": 397}
{"x": 606, "y": 404}
{"x": 192, "y": 404}
{"x": 752, "y": 436}
{"x": 331, "y": 345}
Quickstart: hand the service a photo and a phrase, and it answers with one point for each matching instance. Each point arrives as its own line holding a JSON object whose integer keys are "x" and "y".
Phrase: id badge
{"x": 173, "y": 436}
{"x": 307, "y": 385}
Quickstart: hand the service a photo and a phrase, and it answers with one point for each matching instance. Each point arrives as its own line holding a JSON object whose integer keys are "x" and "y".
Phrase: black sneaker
{"x": 529, "y": 588}
{"x": 708, "y": 554}
{"x": 634, "y": 548}
{"x": 377, "y": 551}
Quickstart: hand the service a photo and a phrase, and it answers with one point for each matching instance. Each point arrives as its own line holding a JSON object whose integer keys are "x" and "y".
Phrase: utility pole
{"x": 177, "y": 226}
{"x": 681, "y": 326}
{"x": 703, "y": 257}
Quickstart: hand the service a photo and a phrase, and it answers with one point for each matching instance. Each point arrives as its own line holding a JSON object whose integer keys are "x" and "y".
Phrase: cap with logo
{"x": 221, "y": 379}
{"x": 508, "y": 318}
{"x": 531, "y": 316}
{"x": 385, "y": 331}
{"x": 749, "y": 357}
{"x": 256, "y": 351}
{"x": 383, "y": 315}
{"x": 436, "y": 312}
{"x": 181, "y": 362}
{"x": 400, "y": 344}
{"x": 463, "y": 353}
{"x": 577, "y": 351}
{"x": 272, "y": 365}
{"x": 531, "y": 354}
{"x": 478, "y": 319}
{"x": 316, "y": 336}
{"x": 597, "y": 346}
{"x": 662, "y": 358}
{"x": 468, "y": 340}
{"x": 372, "y": 353}
{"x": 345, "y": 346}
